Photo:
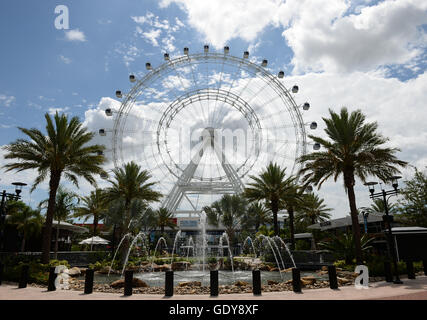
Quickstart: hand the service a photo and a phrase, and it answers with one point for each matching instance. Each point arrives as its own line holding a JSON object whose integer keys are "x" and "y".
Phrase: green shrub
{"x": 37, "y": 273}
{"x": 212, "y": 260}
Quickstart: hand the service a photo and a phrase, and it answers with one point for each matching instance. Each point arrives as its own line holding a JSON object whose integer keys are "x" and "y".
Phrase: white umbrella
{"x": 94, "y": 240}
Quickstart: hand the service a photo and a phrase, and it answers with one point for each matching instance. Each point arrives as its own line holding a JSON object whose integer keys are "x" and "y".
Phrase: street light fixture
{"x": 387, "y": 218}
{"x": 11, "y": 196}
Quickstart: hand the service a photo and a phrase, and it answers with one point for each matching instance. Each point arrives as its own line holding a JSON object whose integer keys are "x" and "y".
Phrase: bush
{"x": 37, "y": 273}
{"x": 376, "y": 266}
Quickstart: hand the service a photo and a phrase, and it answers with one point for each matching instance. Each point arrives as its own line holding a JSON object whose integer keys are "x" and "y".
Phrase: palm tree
{"x": 291, "y": 200}
{"x": 312, "y": 210}
{"x": 64, "y": 152}
{"x": 64, "y": 206}
{"x": 270, "y": 186}
{"x": 130, "y": 183}
{"x": 343, "y": 246}
{"x": 27, "y": 220}
{"x": 163, "y": 218}
{"x": 354, "y": 149}
{"x": 256, "y": 215}
{"x": 228, "y": 211}
{"x": 93, "y": 206}
{"x": 378, "y": 206}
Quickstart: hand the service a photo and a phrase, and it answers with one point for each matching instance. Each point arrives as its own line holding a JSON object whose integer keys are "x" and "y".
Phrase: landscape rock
{"x": 241, "y": 283}
{"x": 136, "y": 283}
{"x": 74, "y": 272}
{"x": 308, "y": 280}
{"x": 106, "y": 270}
{"x": 190, "y": 284}
{"x": 343, "y": 281}
{"x": 180, "y": 265}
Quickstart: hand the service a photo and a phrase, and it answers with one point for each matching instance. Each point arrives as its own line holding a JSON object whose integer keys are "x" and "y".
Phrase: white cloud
{"x": 6, "y": 100}
{"x": 382, "y": 34}
{"x": 333, "y": 35}
{"x": 151, "y": 36}
{"x": 75, "y": 35}
{"x": 52, "y": 111}
{"x": 223, "y": 20}
{"x": 65, "y": 59}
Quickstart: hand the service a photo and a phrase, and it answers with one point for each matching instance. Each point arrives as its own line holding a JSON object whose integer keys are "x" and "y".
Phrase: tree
{"x": 27, "y": 220}
{"x": 343, "y": 246}
{"x": 291, "y": 200}
{"x": 354, "y": 149}
{"x": 413, "y": 205}
{"x": 256, "y": 215}
{"x": 312, "y": 210}
{"x": 64, "y": 206}
{"x": 270, "y": 186}
{"x": 378, "y": 207}
{"x": 163, "y": 218}
{"x": 93, "y": 206}
{"x": 130, "y": 183}
{"x": 64, "y": 152}
{"x": 227, "y": 211}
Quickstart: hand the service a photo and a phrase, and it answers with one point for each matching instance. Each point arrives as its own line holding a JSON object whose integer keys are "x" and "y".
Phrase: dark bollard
{"x": 89, "y": 281}
{"x": 1, "y": 272}
{"x": 214, "y": 283}
{"x": 169, "y": 284}
{"x": 296, "y": 280}
{"x": 332, "y": 273}
{"x": 256, "y": 282}
{"x": 24, "y": 276}
{"x": 51, "y": 280}
{"x": 128, "y": 282}
{"x": 387, "y": 272}
{"x": 410, "y": 269}
{"x": 425, "y": 267}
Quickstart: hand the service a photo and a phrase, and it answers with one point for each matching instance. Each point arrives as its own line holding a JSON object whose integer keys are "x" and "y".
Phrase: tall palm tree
{"x": 93, "y": 206}
{"x": 354, "y": 149}
{"x": 270, "y": 186}
{"x": 27, "y": 220}
{"x": 312, "y": 210}
{"x": 64, "y": 152}
{"x": 228, "y": 211}
{"x": 65, "y": 203}
{"x": 163, "y": 218}
{"x": 291, "y": 200}
{"x": 130, "y": 183}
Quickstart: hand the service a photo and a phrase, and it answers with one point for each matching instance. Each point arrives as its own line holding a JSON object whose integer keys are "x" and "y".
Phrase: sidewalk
{"x": 409, "y": 290}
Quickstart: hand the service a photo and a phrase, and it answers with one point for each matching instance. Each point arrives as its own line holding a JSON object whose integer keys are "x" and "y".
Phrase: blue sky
{"x": 363, "y": 54}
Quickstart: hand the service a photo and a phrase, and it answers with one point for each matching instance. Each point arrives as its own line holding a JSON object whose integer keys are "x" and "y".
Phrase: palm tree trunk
{"x": 275, "y": 209}
{"x": 349, "y": 183}
{"x": 23, "y": 243}
{"x": 95, "y": 224}
{"x": 291, "y": 226}
{"x": 47, "y": 234}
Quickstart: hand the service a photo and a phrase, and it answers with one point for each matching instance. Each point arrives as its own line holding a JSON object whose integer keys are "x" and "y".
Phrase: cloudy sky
{"x": 368, "y": 55}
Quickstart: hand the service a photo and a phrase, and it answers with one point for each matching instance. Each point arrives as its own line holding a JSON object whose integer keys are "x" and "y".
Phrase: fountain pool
{"x": 157, "y": 279}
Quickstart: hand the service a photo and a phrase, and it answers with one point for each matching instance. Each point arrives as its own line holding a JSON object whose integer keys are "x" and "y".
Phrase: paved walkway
{"x": 409, "y": 290}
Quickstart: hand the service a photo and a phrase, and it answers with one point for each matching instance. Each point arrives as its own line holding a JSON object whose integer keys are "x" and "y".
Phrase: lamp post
{"x": 12, "y": 196}
{"x": 387, "y": 218}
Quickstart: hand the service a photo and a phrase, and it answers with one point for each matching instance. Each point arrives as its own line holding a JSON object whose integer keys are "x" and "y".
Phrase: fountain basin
{"x": 157, "y": 279}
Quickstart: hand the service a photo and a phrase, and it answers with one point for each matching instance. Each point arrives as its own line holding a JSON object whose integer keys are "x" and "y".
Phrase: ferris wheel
{"x": 203, "y": 123}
